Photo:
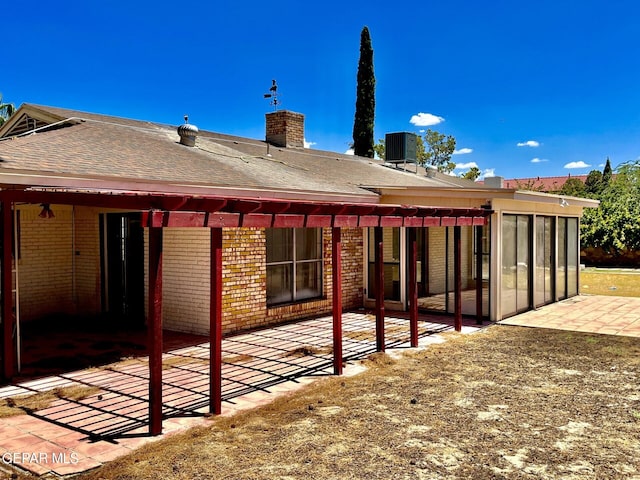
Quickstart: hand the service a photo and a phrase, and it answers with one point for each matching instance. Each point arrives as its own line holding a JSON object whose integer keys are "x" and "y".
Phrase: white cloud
{"x": 463, "y": 151}
{"x": 349, "y": 151}
{"x": 309, "y": 144}
{"x": 425, "y": 119}
{"x": 579, "y": 164}
{"x": 488, "y": 172}
{"x": 538, "y": 160}
{"x": 529, "y": 143}
{"x": 464, "y": 166}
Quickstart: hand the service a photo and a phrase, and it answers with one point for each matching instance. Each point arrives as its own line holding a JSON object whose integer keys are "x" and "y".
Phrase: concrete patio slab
{"x": 72, "y": 436}
{"x": 586, "y": 313}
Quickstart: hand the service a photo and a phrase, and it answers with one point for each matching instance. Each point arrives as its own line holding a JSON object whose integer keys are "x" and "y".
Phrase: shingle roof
{"x": 112, "y": 147}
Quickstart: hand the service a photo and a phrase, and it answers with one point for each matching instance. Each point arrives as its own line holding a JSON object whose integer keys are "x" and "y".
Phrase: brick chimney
{"x": 285, "y": 129}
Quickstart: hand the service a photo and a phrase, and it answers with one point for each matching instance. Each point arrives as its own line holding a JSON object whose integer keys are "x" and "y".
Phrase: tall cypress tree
{"x": 607, "y": 173}
{"x": 365, "y": 99}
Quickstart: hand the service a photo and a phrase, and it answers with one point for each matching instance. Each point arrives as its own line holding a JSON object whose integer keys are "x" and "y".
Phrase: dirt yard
{"x": 507, "y": 402}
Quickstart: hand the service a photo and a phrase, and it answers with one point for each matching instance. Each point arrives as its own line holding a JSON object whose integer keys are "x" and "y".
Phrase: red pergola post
{"x": 413, "y": 287}
{"x": 457, "y": 276}
{"x": 215, "y": 324}
{"x": 479, "y": 260}
{"x": 336, "y": 270}
{"x": 8, "y": 351}
{"x": 379, "y": 273}
{"x": 155, "y": 330}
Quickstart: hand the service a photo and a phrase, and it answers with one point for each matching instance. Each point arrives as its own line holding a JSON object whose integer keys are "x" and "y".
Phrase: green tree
{"x": 593, "y": 184}
{"x": 614, "y": 226}
{"x": 607, "y": 173}
{"x": 365, "y": 99}
{"x": 573, "y": 187}
{"x": 6, "y": 110}
{"x": 472, "y": 174}
{"x": 379, "y": 149}
{"x": 438, "y": 149}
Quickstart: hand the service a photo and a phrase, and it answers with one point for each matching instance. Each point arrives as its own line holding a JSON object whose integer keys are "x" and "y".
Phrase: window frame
{"x": 294, "y": 263}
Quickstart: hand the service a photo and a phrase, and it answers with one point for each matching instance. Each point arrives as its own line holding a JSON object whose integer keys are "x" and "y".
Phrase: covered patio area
{"x": 113, "y": 418}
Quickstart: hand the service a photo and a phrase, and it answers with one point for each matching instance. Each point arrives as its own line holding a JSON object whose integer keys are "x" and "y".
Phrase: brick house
{"x": 209, "y": 233}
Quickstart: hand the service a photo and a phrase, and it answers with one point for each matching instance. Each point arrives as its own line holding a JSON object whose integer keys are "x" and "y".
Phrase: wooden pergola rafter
{"x": 162, "y": 210}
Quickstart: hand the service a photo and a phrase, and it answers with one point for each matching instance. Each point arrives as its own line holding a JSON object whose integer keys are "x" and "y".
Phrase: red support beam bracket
{"x": 391, "y": 221}
{"x": 315, "y": 221}
{"x": 259, "y": 220}
{"x": 464, "y": 221}
{"x": 413, "y": 221}
{"x": 479, "y": 221}
{"x": 369, "y": 221}
{"x": 184, "y": 219}
{"x": 288, "y": 221}
{"x": 345, "y": 221}
{"x": 431, "y": 221}
{"x": 448, "y": 221}
{"x": 222, "y": 219}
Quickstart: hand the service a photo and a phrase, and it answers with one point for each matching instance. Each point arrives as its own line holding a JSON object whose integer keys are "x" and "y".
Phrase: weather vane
{"x": 273, "y": 95}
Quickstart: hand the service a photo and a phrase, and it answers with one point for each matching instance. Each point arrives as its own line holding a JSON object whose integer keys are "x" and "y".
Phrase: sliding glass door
{"x": 545, "y": 260}
{"x": 516, "y": 264}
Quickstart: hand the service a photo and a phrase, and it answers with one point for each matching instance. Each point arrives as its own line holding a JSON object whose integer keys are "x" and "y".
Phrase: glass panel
{"x": 508, "y": 284}
{"x": 391, "y": 261}
{"x": 308, "y": 280}
{"x": 540, "y": 274}
{"x": 279, "y": 244}
{"x": 561, "y": 275}
{"x": 279, "y": 287}
{"x": 308, "y": 243}
{"x": 544, "y": 260}
{"x": 572, "y": 256}
{"x": 524, "y": 263}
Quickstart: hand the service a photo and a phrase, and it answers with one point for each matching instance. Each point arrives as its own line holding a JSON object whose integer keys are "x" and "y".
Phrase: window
{"x": 294, "y": 264}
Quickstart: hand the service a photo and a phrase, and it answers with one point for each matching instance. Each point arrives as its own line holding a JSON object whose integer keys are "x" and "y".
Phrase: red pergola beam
{"x": 336, "y": 270}
{"x": 8, "y": 350}
{"x": 413, "y": 287}
{"x": 379, "y": 274}
{"x": 457, "y": 277}
{"x": 155, "y": 330}
{"x": 215, "y": 324}
{"x": 479, "y": 259}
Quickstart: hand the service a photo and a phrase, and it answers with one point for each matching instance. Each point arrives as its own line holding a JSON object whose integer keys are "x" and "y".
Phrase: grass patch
{"x": 181, "y": 361}
{"x": 21, "y": 404}
{"x": 620, "y": 283}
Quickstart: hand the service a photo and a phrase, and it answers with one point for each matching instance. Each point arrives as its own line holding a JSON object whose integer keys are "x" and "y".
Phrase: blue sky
{"x": 559, "y": 78}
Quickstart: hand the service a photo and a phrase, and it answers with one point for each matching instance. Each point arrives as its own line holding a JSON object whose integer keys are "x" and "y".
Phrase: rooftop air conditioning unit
{"x": 400, "y": 147}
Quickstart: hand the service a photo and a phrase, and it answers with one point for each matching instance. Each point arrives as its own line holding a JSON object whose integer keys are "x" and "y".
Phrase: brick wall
{"x": 285, "y": 129}
{"x": 87, "y": 260}
{"x": 186, "y": 280}
{"x": 45, "y": 264}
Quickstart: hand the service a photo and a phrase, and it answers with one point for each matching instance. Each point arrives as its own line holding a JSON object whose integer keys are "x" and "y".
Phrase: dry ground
{"x": 504, "y": 403}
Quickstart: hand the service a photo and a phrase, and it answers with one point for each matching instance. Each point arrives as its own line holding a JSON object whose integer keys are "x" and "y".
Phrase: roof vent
{"x": 188, "y": 133}
{"x": 400, "y": 147}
